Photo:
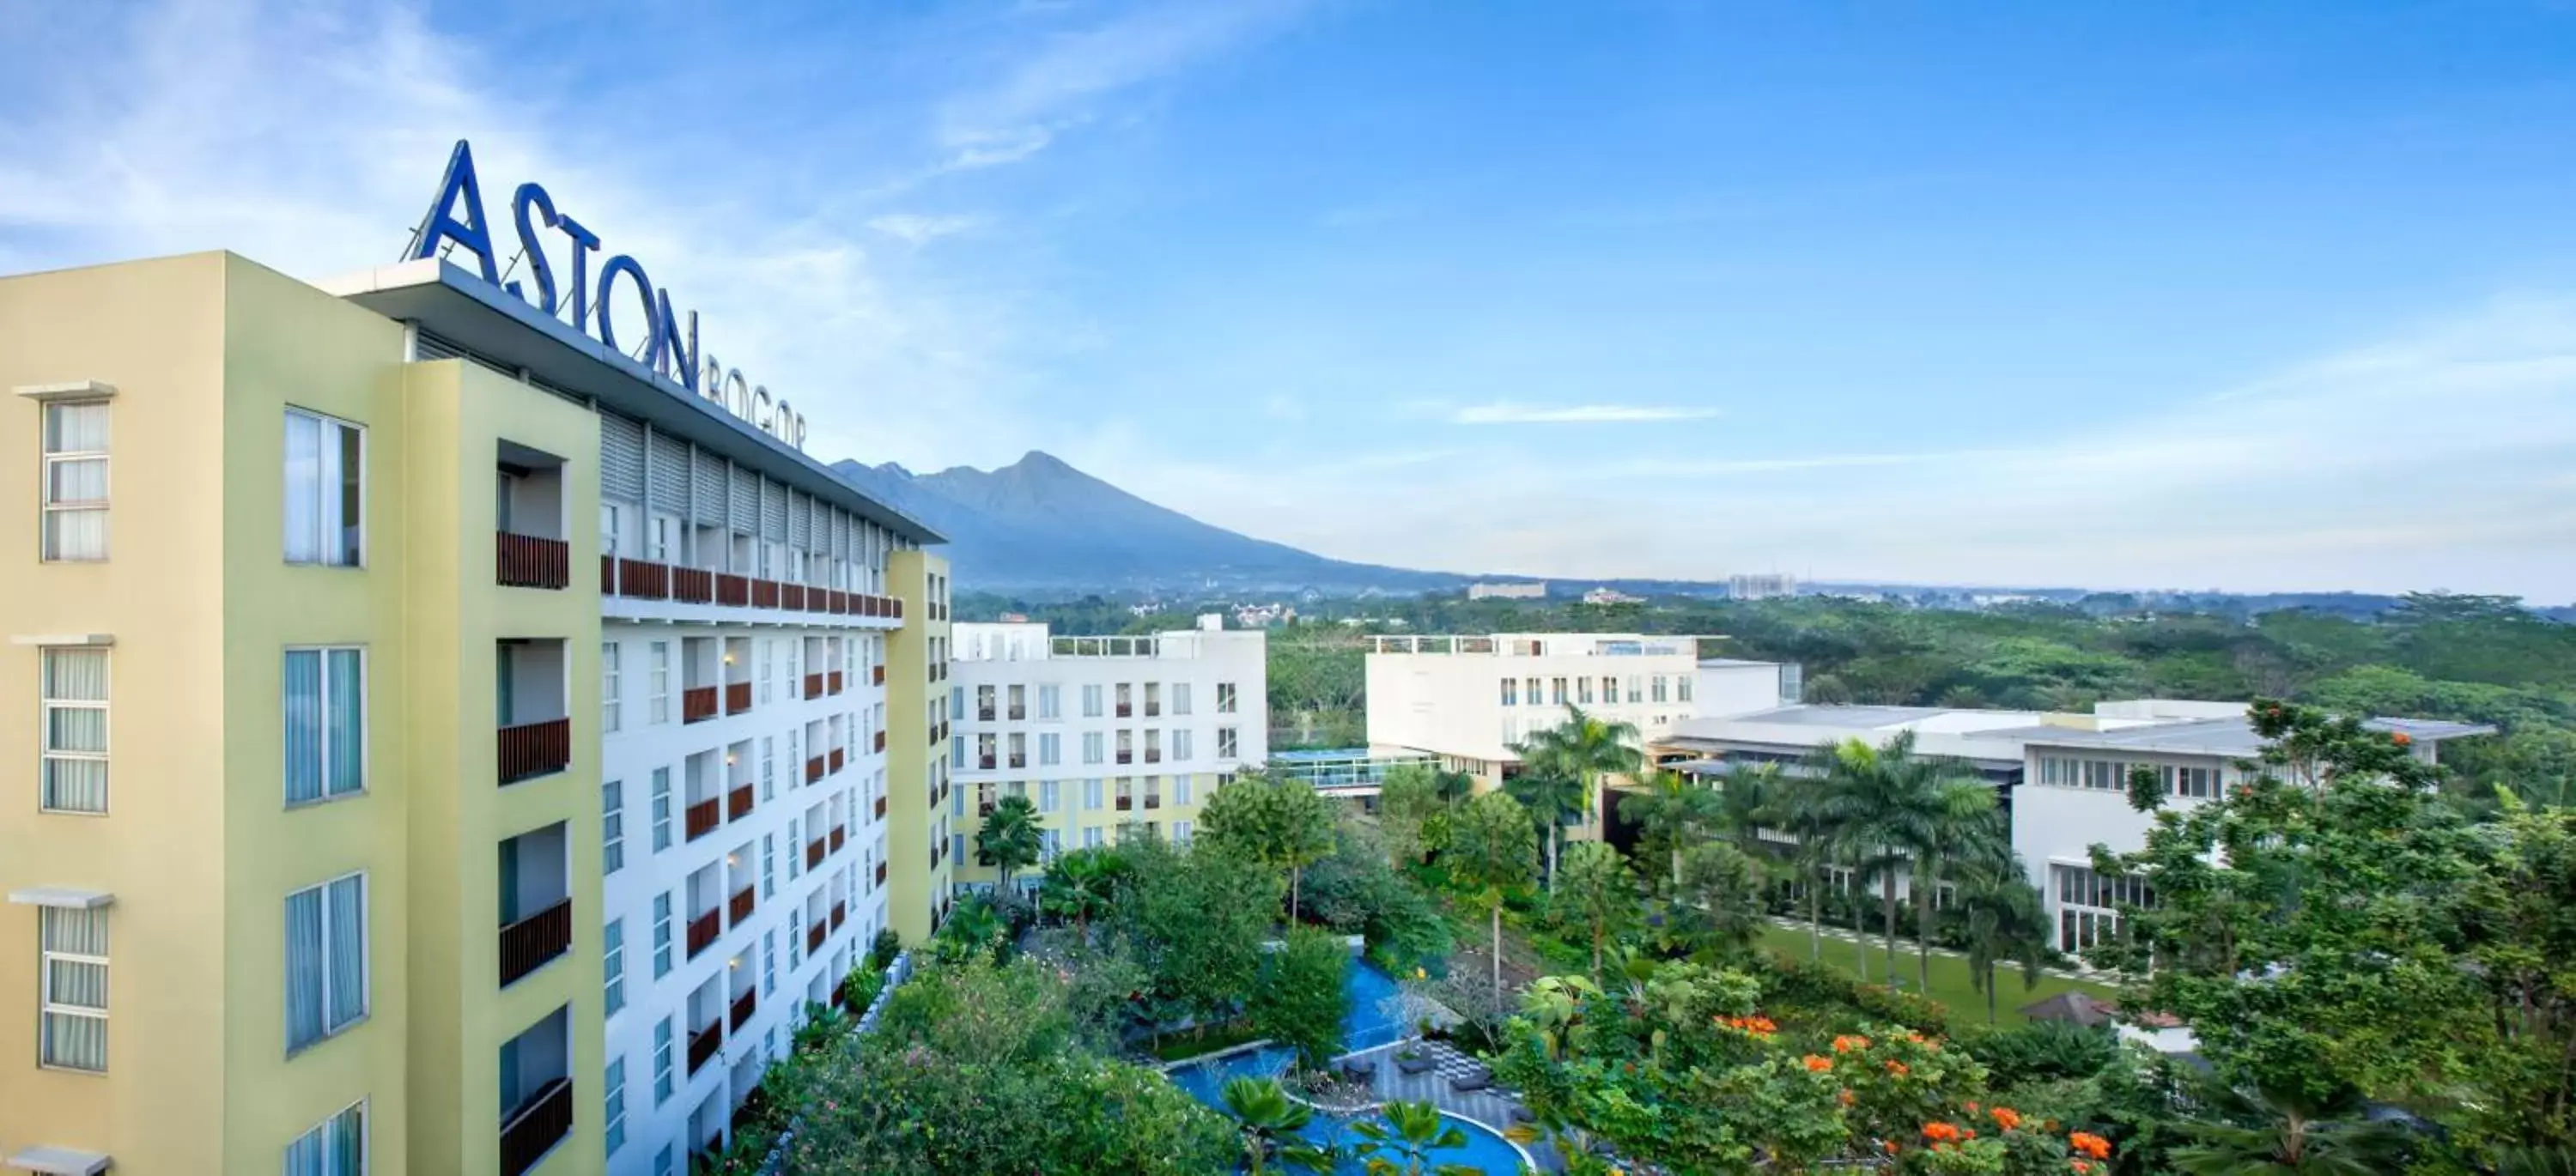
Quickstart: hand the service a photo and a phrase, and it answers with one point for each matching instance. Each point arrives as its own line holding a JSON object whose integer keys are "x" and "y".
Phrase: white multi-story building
{"x": 1507, "y": 591}
{"x": 1107, "y": 736}
{"x": 2062, "y": 778}
{"x": 1469, "y": 700}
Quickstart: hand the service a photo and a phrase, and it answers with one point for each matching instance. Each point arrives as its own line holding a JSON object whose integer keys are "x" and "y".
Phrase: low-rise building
{"x": 1507, "y": 591}
{"x": 1470, "y": 700}
{"x": 1107, "y": 736}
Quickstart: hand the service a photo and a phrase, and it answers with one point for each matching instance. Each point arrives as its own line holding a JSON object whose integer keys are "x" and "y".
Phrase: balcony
{"x": 840, "y": 912}
{"x": 813, "y": 686}
{"x": 1125, "y": 803}
{"x": 532, "y": 942}
{"x": 840, "y": 835}
{"x": 1019, "y": 759}
{"x": 738, "y": 908}
{"x": 738, "y": 803}
{"x": 881, "y": 807}
{"x": 1153, "y": 801}
{"x": 1126, "y": 710}
{"x": 535, "y": 1127}
{"x": 1153, "y": 755}
{"x": 1153, "y": 709}
{"x": 880, "y": 741}
{"x": 838, "y": 758}
{"x": 984, "y": 808}
{"x": 814, "y": 853}
{"x": 527, "y": 561}
{"x": 832, "y": 682}
{"x": 737, "y": 697}
{"x": 693, "y": 585}
{"x": 1125, "y": 756}
{"x": 791, "y": 597}
{"x": 743, "y": 1006}
{"x": 703, "y": 932}
{"x": 984, "y": 761}
{"x": 814, "y": 770}
{"x": 704, "y": 1043}
{"x": 881, "y": 872}
{"x": 529, "y": 750}
{"x": 764, "y": 594}
{"x": 703, "y": 818}
{"x": 876, "y": 674}
{"x": 984, "y": 713}
{"x": 697, "y": 704}
{"x": 733, "y": 590}
{"x": 814, "y": 937}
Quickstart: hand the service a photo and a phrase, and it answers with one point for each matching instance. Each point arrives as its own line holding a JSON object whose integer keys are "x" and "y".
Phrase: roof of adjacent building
{"x": 1735, "y": 661}
{"x": 2229, "y": 737}
{"x": 2001, "y": 735}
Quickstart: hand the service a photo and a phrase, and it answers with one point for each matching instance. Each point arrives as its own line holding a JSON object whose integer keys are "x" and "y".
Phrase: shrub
{"x": 1302, "y": 995}
{"x": 882, "y": 950}
{"x": 1789, "y": 980}
{"x": 2044, "y": 1051}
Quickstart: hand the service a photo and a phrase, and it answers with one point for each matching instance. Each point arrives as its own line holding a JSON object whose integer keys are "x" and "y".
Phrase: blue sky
{"x": 2255, "y": 297}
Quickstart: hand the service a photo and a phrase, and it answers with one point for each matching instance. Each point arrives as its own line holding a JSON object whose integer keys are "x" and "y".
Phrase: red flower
{"x": 1817, "y": 1064}
{"x": 2401, "y": 739}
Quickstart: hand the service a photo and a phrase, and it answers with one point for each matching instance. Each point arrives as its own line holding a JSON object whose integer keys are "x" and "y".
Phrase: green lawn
{"x": 1950, "y": 983}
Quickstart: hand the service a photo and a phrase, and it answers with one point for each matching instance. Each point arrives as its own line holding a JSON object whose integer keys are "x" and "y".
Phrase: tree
{"x": 1963, "y": 828}
{"x": 1302, "y": 995}
{"x": 1491, "y": 848}
{"x": 2006, "y": 922}
{"x": 1584, "y": 747}
{"x": 974, "y": 927}
{"x": 1888, "y": 806}
{"x": 1196, "y": 920}
{"x": 1718, "y": 906}
{"x": 1280, "y": 823}
{"x": 2261, "y": 1132}
{"x": 1081, "y": 885}
{"x": 1554, "y": 801}
{"x": 1271, "y": 1122}
{"x": 1409, "y": 805}
{"x": 1799, "y": 811}
{"x": 1400, "y": 1142}
{"x": 1675, "y": 814}
{"x": 1010, "y": 840}
{"x": 1600, "y": 891}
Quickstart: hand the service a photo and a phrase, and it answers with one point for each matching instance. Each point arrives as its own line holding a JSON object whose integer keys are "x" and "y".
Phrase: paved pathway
{"x": 1493, "y": 1106}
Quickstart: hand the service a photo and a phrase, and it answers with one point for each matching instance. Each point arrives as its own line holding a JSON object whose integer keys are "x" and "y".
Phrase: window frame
{"x": 612, "y": 967}
{"x": 46, "y": 958}
{"x": 46, "y": 705}
{"x": 366, "y": 1139}
{"x": 49, "y": 457}
{"x": 612, "y": 1127}
{"x": 327, "y": 546}
{"x": 612, "y": 827}
{"x": 612, "y": 688}
{"x": 366, "y": 962}
{"x": 366, "y": 729}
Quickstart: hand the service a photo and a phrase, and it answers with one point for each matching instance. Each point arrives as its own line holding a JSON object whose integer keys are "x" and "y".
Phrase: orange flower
{"x": 2081, "y": 1168}
{"x": 1889, "y": 1144}
{"x": 1849, "y": 1042}
{"x": 1817, "y": 1064}
{"x": 2401, "y": 739}
{"x": 1972, "y": 1107}
{"x": 1847, "y": 1098}
{"x": 1941, "y": 1132}
{"x": 2007, "y": 1118}
{"x": 1897, "y": 1068}
{"x": 1970, "y": 1133}
{"x": 2090, "y": 1144}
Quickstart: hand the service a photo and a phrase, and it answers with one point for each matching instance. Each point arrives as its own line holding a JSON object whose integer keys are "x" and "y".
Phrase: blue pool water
{"x": 1367, "y": 1023}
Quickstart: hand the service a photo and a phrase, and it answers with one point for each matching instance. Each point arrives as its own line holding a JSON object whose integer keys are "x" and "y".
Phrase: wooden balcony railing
{"x": 881, "y": 805}
{"x": 764, "y": 594}
{"x": 693, "y": 585}
{"x": 876, "y": 674}
{"x": 1125, "y": 709}
{"x": 535, "y": 1126}
{"x": 813, "y": 686}
{"x": 526, "y": 945}
{"x": 526, "y": 561}
{"x": 733, "y": 590}
{"x": 1125, "y": 803}
{"x": 737, "y": 697}
{"x": 743, "y": 1006}
{"x": 814, "y": 938}
{"x": 704, "y": 1043}
{"x": 840, "y": 911}
{"x": 832, "y": 682}
{"x": 697, "y": 704}
{"x": 1125, "y": 756}
{"x": 814, "y": 769}
{"x": 738, "y": 803}
{"x": 529, "y": 750}
{"x": 703, "y": 817}
{"x": 738, "y": 908}
{"x": 704, "y": 930}
{"x": 792, "y": 597}
{"x": 881, "y": 873}
{"x": 839, "y": 757}
{"x": 1152, "y": 801}
{"x": 840, "y": 834}
{"x": 814, "y": 853}
{"x": 880, "y": 741}
{"x": 643, "y": 579}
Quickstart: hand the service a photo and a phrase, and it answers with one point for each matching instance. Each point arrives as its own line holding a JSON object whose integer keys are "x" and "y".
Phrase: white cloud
{"x": 917, "y": 228}
{"x": 1579, "y": 414}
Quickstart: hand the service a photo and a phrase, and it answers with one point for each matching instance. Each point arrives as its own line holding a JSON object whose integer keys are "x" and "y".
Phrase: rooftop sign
{"x": 670, "y": 345}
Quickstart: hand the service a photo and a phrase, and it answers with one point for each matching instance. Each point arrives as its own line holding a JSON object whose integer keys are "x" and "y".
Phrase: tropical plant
{"x": 1675, "y": 814}
{"x": 2261, "y": 1132}
{"x": 1411, "y": 812}
{"x": 1081, "y": 885}
{"x": 1889, "y": 808}
{"x": 1400, "y": 1142}
{"x": 1270, "y": 1121}
{"x": 1598, "y": 891}
{"x": 1554, "y": 801}
{"x": 1585, "y": 747}
{"x": 1196, "y": 920}
{"x": 1491, "y": 846}
{"x": 1010, "y": 840}
{"x": 882, "y": 949}
{"x": 974, "y": 926}
{"x": 1717, "y": 906}
{"x": 2006, "y": 922}
{"x": 1302, "y": 995}
{"x": 1281, "y": 823}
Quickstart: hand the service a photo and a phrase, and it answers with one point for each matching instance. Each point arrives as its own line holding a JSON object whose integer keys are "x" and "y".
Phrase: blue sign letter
{"x": 532, "y": 196}
{"x": 440, "y": 226}
{"x": 672, "y": 344}
{"x": 622, "y": 264}
{"x": 583, "y": 241}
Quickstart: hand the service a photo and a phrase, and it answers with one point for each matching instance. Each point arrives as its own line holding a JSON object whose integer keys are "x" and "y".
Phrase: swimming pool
{"x": 1372, "y": 1019}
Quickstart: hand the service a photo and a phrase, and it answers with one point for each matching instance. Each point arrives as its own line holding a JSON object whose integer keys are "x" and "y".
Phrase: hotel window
{"x": 611, "y": 684}
{"x": 1557, "y": 687}
{"x": 1180, "y": 832}
{"x": 1583, "y": 691}
{"x": 1092, "y": 745}
{"x": 1609, "y": 690}
{"x": 72, "y": 944}
{"x": 657, "y": 699}
{"x": 1049, "y": 795}
{"x": 769, "y": 865}
{"x": 661, "y": 934}
{"x": 1050, "y": 748}
{"x": 792, "y": 842}
{"x": 2200, "y": 783}
{"x": 1636, "y": 688}
{"x": 1091, "y": 837}
{"x": 1016, "y": 699}
{"x": 1181, "y": 789}
{"x": 336, "y": 1148}
{"x": 75, "y": 526}
{"x": 1681, "y": 688}
{"x": 611, "y": 524}
{"x": 74, "y": 688}
{"x": 1091, "y": 795}
{"x": 612, "y": 827}
{"x": 1181, "y": 748}
{"x": 326, "y": 959}
{"x": 1659, "y": 687}
{"x": 615, "y": 1117}
{"x": 1225, "y": 746}
{"x": 1511, "y": 692}
{"x": 661, "y": 809}
{"x": 1091, "y": 701}
{"x": 326, "y": 724}
{"x": 1180, "y": 698}
{"x": 325, "y": 490}
{"x": 769, "y": 962}
{"x": 1225, "y": 698}
{"x": 662, "y": 1069}
{"x": 612, "y": 966}
{"x": 1050, "y": 702}
{"x": 1530, "y": 695}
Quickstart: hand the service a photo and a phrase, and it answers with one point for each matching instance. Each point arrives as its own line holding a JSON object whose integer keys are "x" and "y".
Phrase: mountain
{"x": 1038, "y": 523}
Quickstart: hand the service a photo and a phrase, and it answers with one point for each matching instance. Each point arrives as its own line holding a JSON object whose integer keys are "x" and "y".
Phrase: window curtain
{"x": 74, "y": 1039}
{"x": 348, "y": 951}
{"x": 75, "y": 763}
{"x": 341, "y": 466}
{"x": 303, "y": 489}
{"x": 348, "y": 722}
{"x": 305, "y": 968}
{"x": 336, "y": 1148}
{"x": 303, "y": 704}
{"x": 76, "y": 428}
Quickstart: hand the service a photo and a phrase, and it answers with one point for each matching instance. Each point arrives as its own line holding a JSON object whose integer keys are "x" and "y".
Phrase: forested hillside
{"x": 2475, "y": 658}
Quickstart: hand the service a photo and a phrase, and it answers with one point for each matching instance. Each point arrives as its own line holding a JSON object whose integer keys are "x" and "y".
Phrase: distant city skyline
{"x": 2276, "y": 299}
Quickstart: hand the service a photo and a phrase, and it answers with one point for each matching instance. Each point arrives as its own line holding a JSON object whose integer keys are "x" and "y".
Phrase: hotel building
{"x": 1469, "y": 700}
{"x": 456, "y": 748}
{"x": 1107, "y": 736}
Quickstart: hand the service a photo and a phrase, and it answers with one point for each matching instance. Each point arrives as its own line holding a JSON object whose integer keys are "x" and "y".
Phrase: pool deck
{"x": 1492, "y": 1106}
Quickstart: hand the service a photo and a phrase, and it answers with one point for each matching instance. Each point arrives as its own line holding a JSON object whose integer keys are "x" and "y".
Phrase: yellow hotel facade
{"x": 451, "y": 747}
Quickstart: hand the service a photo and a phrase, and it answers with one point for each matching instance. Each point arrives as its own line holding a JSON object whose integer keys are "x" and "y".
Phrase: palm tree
{"x": 1081, "y": 886}
{"x": 1799, "y": 811}
{"x": 1674, "y": 810}
{"x": 1270, "y": 1122}
{"x": 1554, "y": 801}
{"x": 2293, "y": 1133}
{"x": 1599, "y": 888}
{"x": 1401, "y": 1143}
{"x": 1585, "y": 747}
{"x": 1010, "y": 840}
{"x": 1885, "y": 804}
{"x": 1964, "y": 832}
{"x": 1490, "y": 847}
{"x": 1718, "y": 906}
{"x": 2006, "y": 923}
